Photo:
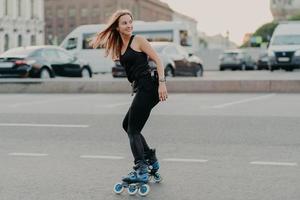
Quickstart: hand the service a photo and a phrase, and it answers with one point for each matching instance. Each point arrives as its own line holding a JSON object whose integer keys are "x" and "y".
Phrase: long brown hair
{"x": 110, "y": 38}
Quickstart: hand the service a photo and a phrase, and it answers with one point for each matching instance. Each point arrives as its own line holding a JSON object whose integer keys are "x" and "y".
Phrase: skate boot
{"x": 153, "y": 165}
{"x": 135, "y": 181}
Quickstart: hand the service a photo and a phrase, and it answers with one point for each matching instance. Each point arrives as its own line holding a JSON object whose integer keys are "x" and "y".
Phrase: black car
{"x": 42, "y": 62}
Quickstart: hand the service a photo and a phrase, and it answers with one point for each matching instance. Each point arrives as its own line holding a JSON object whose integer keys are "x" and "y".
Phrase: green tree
{"x": 265, "y": 31}
{"x": 295, "y": 17}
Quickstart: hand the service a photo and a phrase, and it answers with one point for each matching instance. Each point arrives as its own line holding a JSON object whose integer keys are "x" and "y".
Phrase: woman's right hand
{"x": 162, "y": 91}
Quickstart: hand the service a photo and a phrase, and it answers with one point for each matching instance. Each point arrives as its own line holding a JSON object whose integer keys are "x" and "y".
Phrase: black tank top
{"x": 135, "y": 63}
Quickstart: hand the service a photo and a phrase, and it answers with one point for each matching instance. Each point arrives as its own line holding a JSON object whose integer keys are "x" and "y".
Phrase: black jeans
{"x": 145, "y": 99}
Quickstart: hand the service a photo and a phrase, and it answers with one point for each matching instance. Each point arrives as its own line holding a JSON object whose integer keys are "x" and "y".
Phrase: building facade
{"x": 63, "y": 16}
{"x": 21, "y": 23}
{"x": 283, "y": 9}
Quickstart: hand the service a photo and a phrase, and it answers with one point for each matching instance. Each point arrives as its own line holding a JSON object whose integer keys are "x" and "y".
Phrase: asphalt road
{"x": 211, "y": 146}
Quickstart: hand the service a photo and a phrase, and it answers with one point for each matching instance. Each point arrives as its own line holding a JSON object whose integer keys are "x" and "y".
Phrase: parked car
{"x": 284, "y": 48}
{"x": 236, "y": 59}
{"x": 175, "y": 60}
{"x": 42, "y": 62}
{"x": 118, "y": 70}
{"x": 263, "y": 62}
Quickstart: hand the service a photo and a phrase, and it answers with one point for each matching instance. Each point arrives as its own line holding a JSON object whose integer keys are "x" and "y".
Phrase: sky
{"x": 219, "y": 16}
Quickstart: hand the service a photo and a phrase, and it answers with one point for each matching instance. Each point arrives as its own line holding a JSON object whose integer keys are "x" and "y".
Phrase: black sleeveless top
{"x": 135, "y": 63}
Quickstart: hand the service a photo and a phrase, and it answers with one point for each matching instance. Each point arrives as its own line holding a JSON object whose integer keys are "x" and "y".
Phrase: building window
{"x": 6, "y": 42}
{"x": 31, "y": 9}
{"x": 49, "y": 13}
{"x": 20, "y": 40}
{"x": 60, "y": 13}
{"x": 6, "y": 8}
{"x": 96, "y": 12}
{"x": 33, "y": 40}
{"x": 72, "y": 12}
{"x": 84, "y": 12}
{"x": 19, "y": 8}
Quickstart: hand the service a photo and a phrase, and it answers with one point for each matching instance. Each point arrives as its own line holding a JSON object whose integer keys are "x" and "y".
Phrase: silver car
{"x": 236, "y": 59}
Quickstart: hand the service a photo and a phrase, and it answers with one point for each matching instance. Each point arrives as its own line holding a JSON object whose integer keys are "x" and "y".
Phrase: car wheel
{"x": 243, "y": 67}
{"x": 169, "y": 71}
{"x": 85, "y": 73}
{"x": 199, "y": 71}
{"x": 45, "y": 73}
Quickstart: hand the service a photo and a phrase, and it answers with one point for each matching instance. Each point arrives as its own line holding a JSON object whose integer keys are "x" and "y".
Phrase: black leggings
{"x": 145, "y": 99}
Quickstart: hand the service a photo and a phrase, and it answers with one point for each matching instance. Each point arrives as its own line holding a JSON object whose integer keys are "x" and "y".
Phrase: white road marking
{"x": 28, "y": 154}
{"x": 243, "y": 101}
{"x": 183, "y": 160}
{"x": 102, "y": 157}
{"x": 45, "y": 125}
{"x": 114, "y": 105}
{"x": 47, "y": 101}
{"x": 274, "y": 163}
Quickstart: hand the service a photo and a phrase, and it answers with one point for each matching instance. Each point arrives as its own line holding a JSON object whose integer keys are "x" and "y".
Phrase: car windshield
{"x": 18, "y": 52}
{"x": 286, "y": 40}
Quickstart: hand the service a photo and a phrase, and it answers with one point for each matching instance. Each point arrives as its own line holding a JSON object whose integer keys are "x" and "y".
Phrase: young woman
{"x": 133, "y": 52}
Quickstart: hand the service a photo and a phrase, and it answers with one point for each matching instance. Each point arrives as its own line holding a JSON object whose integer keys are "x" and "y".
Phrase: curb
{"x": 174, "y": 86}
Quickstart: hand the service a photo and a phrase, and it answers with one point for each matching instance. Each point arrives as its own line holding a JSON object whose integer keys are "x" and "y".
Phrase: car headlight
{"x": 297, "y": 53}
{"x": 271, "y": 54}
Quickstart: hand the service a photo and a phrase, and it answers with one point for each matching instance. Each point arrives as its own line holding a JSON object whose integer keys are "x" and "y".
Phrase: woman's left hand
{"x": 162, "y": 91}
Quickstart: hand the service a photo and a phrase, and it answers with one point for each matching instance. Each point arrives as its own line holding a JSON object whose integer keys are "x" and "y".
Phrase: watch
{"x": 162, "y": 79}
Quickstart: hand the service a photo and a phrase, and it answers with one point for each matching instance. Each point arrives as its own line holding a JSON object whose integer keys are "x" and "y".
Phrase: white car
{"x": 284, "y": 48}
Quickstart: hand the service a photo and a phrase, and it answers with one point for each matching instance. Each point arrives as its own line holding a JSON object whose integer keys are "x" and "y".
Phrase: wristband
{"x": 162, "y": 79}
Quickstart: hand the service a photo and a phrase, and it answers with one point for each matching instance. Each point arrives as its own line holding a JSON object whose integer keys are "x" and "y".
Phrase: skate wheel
{"x": 118, "y": 188}
{"x": 132, "y": 189}
{"x": 149, "y": 177}
{"x": 157, "y": 178}
{"x": 144, "y": 190}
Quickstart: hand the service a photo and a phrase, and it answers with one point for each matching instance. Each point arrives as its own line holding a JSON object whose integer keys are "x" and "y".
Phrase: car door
{"x": 68, "y": 64}
{"x": 173, "y": 53}
{"x": 52, "y": 58}
{"x": 188, "y": 67}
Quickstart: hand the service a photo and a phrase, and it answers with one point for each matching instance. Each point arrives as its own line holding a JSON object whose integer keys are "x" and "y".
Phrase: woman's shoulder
{"x": 140, "y": 39}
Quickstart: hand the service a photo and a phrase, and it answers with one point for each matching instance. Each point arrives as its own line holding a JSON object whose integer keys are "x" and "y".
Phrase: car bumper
{"x": 262, "y": 65}
{"x": 22, "y": 71}
{"x": 294, "y": 63}
{"x": 230, "y": 65}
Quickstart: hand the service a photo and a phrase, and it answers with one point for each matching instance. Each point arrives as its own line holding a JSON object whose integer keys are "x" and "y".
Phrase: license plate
{"x": 284, "y": 59}
{"x": 6, "y": 64}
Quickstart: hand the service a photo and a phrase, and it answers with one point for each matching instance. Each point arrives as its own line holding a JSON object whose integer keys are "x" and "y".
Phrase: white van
{"x": 77, "y": 41}
{"x": 284, "y": 48}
